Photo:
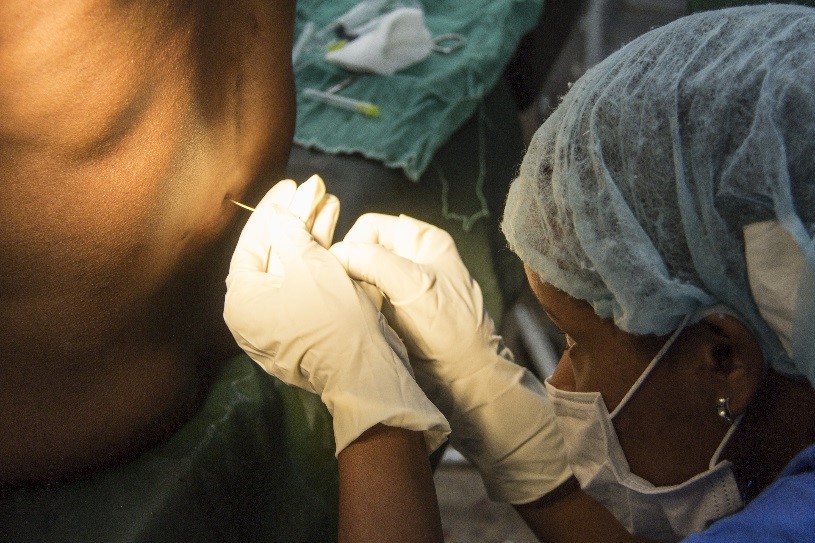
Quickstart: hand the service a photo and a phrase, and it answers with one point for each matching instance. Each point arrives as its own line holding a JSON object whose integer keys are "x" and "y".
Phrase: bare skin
{"x": 567, "y": 515}
{"x": 669, "y": 430}
{"x": 123, "y": 125}
{"x": 386, "y": 489}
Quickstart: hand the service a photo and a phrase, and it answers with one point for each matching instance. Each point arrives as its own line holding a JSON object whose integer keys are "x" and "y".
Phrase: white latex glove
{"x": 311, "y": 204}
{"x": 499, "y": 412}
{"x": 293, "y": 309}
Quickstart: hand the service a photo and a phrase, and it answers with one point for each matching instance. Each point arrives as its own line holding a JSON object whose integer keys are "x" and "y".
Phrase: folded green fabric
{"x": 256, "y": 463}
{"x": 420, "y": 106}
{"x": 705, "y": 5}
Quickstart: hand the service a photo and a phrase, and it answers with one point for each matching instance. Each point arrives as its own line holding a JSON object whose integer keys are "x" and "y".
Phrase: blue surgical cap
{"x": 634, "y": 194}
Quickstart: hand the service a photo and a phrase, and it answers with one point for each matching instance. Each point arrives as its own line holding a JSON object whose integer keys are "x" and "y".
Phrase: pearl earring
{"x": 723, "y": 410}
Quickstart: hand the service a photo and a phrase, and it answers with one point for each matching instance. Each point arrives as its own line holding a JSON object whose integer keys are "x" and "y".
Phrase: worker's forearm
{"x": 386, "y": 489}
{"x": 568, "y": 515}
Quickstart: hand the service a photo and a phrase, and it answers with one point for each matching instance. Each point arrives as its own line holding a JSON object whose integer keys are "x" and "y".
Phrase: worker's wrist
{"x": 395, "y": 435}
{"x": 457, "y": 396}
{"x": 502, "y": 422}
{"x": 362, "y": 404}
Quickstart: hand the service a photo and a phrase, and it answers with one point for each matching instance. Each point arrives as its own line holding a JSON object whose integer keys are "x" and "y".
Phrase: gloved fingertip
{"x": 281, "y": 195}
{"x": 330, "y": 204}
{"x": 316, "y": 180}
{"x": 377, "y": 298}
{"x": 362, "y": 261}
{"x": 371, "y": 228}
{"x": 306, "y": 199}
{"x": 421, "y": 241}
{"x": 325, "y": 220}
{"x": 342, "y": 250}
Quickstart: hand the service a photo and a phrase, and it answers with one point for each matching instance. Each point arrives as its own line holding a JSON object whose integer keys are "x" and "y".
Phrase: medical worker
{"x": 665, "y": 215}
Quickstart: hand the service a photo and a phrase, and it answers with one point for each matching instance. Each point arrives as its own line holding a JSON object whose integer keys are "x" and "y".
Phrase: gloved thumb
{"x": 400, "y": 279}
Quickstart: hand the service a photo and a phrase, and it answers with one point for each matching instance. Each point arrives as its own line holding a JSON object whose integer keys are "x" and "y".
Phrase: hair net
{"x": 634, "y": 194}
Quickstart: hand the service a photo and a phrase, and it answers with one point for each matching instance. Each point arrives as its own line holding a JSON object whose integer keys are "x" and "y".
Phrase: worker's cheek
{"x": 563, "y": 376}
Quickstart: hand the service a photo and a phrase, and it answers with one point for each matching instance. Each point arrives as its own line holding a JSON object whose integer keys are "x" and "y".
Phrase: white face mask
{"x": 666, "y": 513}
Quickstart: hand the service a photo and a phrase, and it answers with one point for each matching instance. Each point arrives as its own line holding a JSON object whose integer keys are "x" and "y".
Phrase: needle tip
{"x": 241, "y": 205}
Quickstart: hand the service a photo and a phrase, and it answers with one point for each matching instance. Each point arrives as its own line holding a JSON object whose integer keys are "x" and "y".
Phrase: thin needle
{"x": 241, "y": 205}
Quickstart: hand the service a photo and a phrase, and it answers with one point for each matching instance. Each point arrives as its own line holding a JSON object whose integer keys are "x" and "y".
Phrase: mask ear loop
{"x": 660, "y": 354}
{"x": 725, "y": 440}
{"x": 651, "y": 365}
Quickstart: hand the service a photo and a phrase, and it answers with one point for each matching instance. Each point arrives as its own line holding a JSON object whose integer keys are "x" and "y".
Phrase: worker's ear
{"x": 735, "y": 359}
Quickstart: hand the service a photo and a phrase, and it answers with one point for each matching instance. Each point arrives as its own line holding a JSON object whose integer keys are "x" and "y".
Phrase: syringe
{"x": 357, "y": 106}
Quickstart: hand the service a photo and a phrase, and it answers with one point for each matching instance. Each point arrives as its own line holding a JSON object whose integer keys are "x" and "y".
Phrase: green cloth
{"x": 462, "y": 192}
{"x": 256, "y": 463}
{"x": 423, "y": 105}
{"x": 705, "y": 5}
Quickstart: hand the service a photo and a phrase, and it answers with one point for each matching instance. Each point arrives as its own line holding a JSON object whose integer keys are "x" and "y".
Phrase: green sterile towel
{"x": 704, "y": 5}
{"x": 421, "y": 106}
{"x": 256, "y": 463}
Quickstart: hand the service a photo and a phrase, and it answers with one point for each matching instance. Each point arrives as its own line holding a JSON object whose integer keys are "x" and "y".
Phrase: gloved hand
{"x": 499, "y": 412}
{"x": 291, "y": 306}
{"x": 311, "y": 204}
